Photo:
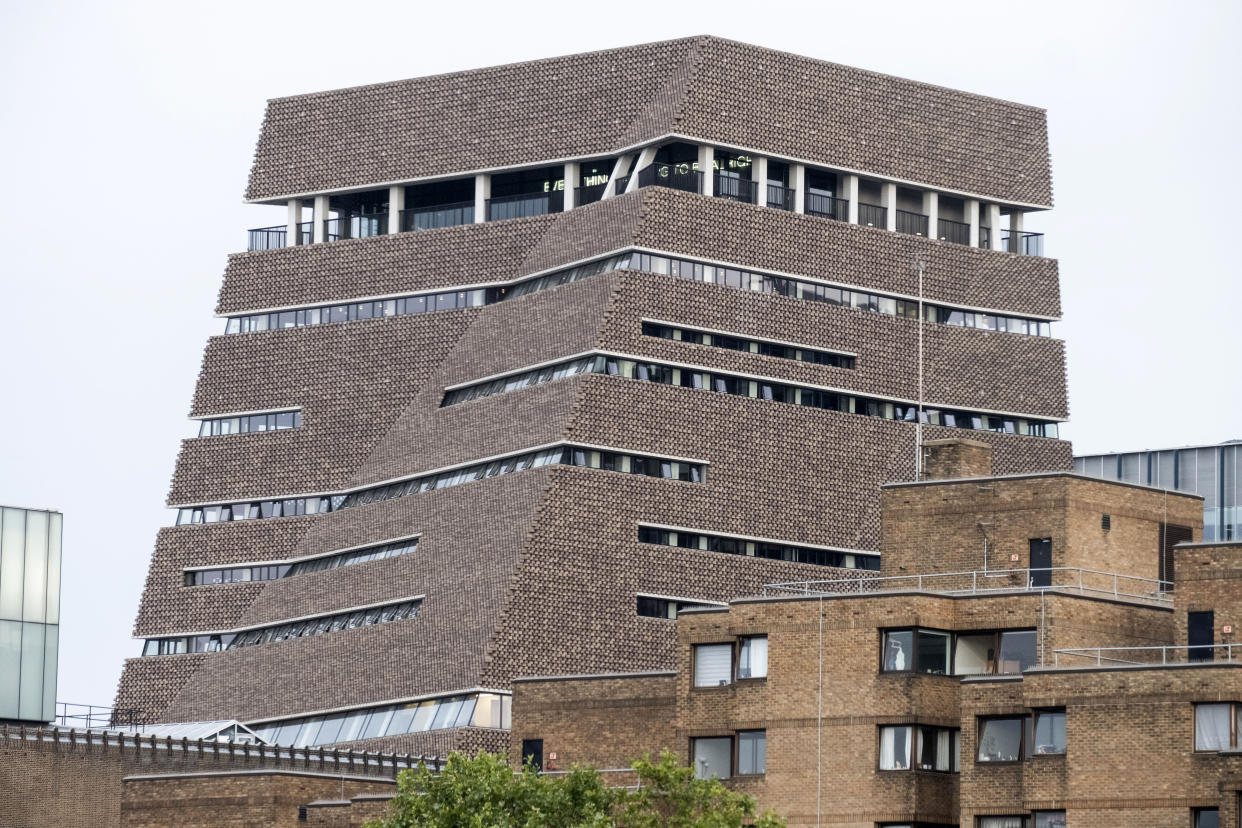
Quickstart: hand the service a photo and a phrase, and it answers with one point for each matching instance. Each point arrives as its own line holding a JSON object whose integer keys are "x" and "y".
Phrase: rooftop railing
{"x": 837, "y": 209}
{"x": 676, "y": 176}
{"x": 589, "y": 195}
{"x": 85, "y": 716}
{"x": 1024, "y": 244}
{"x": 1146, "y": 656}
{"x": 270, "y": 238}
{"x": 780, "y": 196}
{"x": 949, "y": 230}
{"x": 735, "y": 189}
{"x": 982, "y": 582}
{"x": 361, "y": 226}
{"x": 914, "y": 224}
{"x": 872, "y": 215}
{"x": 524, "y": 205}
{"x": 437, "y": 215}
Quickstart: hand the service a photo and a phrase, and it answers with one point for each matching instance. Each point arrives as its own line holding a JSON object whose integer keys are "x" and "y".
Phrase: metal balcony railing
{"x": 915, "y": 224}
{"x": 985, "y": 237}
{"x": 981, "y": 582}
{"x": 86, "y": 716}
{"x": 780, "y": 197}
{"x": 270, "y": 238}
{"x": 872, "y": 215}
{"x": 676, "y": 176}
{"x": 828, "y": 207}
{"x": 1113, "y": 656}
{"x": 589, "y": 195}
{"x": 436, "y": 216}
{"x": 524, "y": 205}
{"x": 735, "y": 189}
{"x": 949, "y": 230}
{"x": 1024, "y": 244}
{"x": 360, "y": 226}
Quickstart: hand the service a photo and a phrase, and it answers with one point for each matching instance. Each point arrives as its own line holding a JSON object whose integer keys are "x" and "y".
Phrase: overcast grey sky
{"x": 128, "y": 131}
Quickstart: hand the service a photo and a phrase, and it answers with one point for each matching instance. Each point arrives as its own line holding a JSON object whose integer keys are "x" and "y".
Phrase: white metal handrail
{"x": 982, "y": 581}
{"x": 1191, "y": 654}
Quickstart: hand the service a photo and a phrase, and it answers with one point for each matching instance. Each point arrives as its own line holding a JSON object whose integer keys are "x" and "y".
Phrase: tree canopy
{"x": 484, "y": 792}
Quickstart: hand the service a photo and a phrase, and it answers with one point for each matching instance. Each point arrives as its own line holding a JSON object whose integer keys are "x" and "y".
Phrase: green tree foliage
{"x": 484, "y": 792}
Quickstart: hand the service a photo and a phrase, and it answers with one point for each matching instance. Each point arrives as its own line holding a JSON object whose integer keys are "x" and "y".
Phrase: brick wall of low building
{"x": 942, "y": 526}
{"x": 268, "y": 798}
{"x": 1130, "y": 758}
{"x": 602, "y": 721}
{"x": 80, "y": 784}
{"x": 1209, "y": 577}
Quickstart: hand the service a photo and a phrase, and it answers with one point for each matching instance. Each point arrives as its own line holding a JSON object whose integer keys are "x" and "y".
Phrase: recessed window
{"x": 771, "y": 550}
{"x": 1000, "y": 739}
{"x": 927, "y": 651}
{"x": 651, "y": 606}
{"x": 1049, "y": 819}
{"x": 922, "y": 747}
{"x": 752, "y": 661}
{"x": 1048, "y": 732}
{"x": 1003, "y": 822}
{"x": 713, "y": 665}
{"x": 752, "y": 751}
{"x": 1205, "y": 818}
{"x": 1216, "y": 726}
{"x": 713, "y": 757}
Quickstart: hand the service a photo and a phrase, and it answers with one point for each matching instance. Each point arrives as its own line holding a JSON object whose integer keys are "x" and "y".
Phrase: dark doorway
{"x": 1041, "y": 562}
{"x": 1200, "y": 635}
{"x": 532, "y": 749}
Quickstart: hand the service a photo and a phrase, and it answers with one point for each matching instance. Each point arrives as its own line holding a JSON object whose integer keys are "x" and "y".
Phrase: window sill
{"x": 752, "y": 680}
{"x": 713, "y": 687}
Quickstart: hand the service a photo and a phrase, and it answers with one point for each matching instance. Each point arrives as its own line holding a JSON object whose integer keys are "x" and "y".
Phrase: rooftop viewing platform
{"x": 1060, "y": 579}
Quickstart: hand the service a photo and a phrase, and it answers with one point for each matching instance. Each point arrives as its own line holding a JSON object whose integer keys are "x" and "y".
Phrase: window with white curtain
{"x": 937, "y": 749}
{"x": 1215, "y": 726}
{"x": 753, "y": 659}
{"x": 1003, "y": 822}
{"x": 713, "y": 665}
{"x": 895, "y": 748}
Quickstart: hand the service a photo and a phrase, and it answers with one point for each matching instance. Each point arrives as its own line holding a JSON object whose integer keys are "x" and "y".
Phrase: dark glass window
{"x": 1000, "y": 739}
{"x": 1048, "y": 735}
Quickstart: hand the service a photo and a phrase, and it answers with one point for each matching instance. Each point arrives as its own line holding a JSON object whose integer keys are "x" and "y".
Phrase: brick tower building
{"x": 548, "y": 351}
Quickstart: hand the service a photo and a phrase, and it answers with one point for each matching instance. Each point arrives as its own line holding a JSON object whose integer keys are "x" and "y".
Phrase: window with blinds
{"x": 713, "y": 665}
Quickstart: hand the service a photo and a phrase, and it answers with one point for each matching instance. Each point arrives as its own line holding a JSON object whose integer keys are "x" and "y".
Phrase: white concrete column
{"x": 759, "y": 174}
{"x": 1016, "y": 221}
{"x": 645, "y": 159}
{"x": 293, "y": 223}
{"x": 994, "y": 226}
{"x": 571, "y": 185}
{"x": 888, "y": 200}
{"x": 797, "y": 183}
{"x": 482, "y": 192}
{"x": 396, "y": 203}
{"x": 972, "y": 218}
{"x": 849, "y": 192}
{"x": 620, "y": 168}
{"x": 931, "y": 209}
{"x": 707, "y": 155}
{"x": 319, "y": 227}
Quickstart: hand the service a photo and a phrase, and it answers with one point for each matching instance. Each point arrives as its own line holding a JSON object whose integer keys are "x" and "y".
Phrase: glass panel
{"x": 1002, "y": 822}
{"x": 1050, "y": 819}
{"x": 12, "y": 563}
{"x": 712, "y": 758}
{"x": 487, "y": 711}
{"x": 352, "y": 726}
{"x": 713, "y": 664}
{"x": 446, "y": 713}
{"x": 1212, "y": 727}
{"x": 53, "y": 570}
{"x": 752, "y": 748}
{"x": 331, "y": 729}
{"x": 933, "y": 652}
{"x": 1000, "y": 740}
{"x": 1049, "y": 733}
{"x": 753, "y": 661}
{"x": 287, "y": 732}
{"x": 30, "y": 691}
{"x": 974, "y": 654}
{"x": 467, "y": 710}
{"x": 1204, "y": 818}
{"x": 10, "y": 665}
{"x": 894, "y": 748}
{"x": 1017, "y": 651}
{"x": 402, "y": 717}
{"x": 377, "y": 724}
{"x": 422, "y": 717}
{"x": 898, "y": 650}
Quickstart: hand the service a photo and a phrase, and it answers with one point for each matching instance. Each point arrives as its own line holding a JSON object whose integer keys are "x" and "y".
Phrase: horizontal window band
{"x": 281, "y": 561}
{"x": 250, "y": 423}
{"x": 751, "y": 279}
{"x": 663, "y": 372}
{"x": 479, "y": 709}
{"x": 750, "y": 337}
{"x": 746, "y": 345}
{"x": 667, "y": 607}
{"x": 755, "y": 548}
{"x": 757, "y": 538}
{"x": 614, "y": 460}
{"x": 207, "y": 576}
{"x": 211, "y": 642}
